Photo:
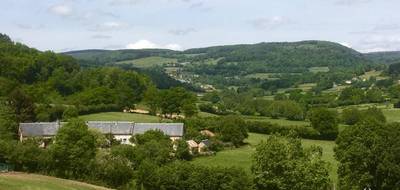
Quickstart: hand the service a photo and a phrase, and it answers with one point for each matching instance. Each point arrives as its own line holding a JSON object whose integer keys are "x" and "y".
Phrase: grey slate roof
{"x": 170, "y": 129}
{"x": 113, "y": 127}
{"x": 105, "y": 127}
{"x": 39, "y": 129}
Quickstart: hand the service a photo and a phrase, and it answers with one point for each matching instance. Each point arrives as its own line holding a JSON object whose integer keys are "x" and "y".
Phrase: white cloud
{"x": 108, "y": 26}
{"x": 61, "y": 10}
{"x": 270, "y": 23}
{"x": 145, "y": 44}
{"x": 372, "y": 43}
{"x": 345, "y": 44}
{"x": 182, "y": 32}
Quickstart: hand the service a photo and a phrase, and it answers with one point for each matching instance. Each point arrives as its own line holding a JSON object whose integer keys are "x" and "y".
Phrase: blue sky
{"x": 63, "y": 25}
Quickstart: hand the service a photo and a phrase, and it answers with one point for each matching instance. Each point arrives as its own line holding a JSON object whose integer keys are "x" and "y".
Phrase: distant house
{"x": 122, "y": 130}
{"x": 204, "y": 146}
{"x": 193, "y": 146}
{"x": 207, "y": 133}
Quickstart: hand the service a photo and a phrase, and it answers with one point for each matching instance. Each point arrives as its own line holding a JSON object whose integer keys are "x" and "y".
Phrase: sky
{"x": 65, "y": 25}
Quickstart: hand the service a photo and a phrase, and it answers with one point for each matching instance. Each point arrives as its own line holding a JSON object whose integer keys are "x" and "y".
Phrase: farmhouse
{"x": 122, "y": 130}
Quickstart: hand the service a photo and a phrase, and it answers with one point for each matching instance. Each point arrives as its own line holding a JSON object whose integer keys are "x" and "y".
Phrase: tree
{"x": 189, "y": 108}
{"x": 368, "y": 155}
{"x": 351, "y": 116}
{"x": 22, "y": 105}
{"x": 173, "y": 100}
{"x": 114, "y": 171}
{"x": 148, "y": 136}
{"x": 281, "y": 163}
{"x": 375, "y": 114}
{"x": 73, "y": 150}
{"x": 182, "y": 150}
{"x": 374, "y": 95}
{"x": 69, "y": 113}
{"x": 232, "y": 129}
{"x": 325, "y": 122}
{"x": 152, "y": 99}
{"x": 8, "y": 123}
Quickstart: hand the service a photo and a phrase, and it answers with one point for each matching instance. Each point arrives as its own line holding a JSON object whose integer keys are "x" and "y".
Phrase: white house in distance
{"x": 122, "y": 130}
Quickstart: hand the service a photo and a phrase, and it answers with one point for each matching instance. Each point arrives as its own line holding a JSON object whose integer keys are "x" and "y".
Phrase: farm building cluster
{"x": 121, "y": 130}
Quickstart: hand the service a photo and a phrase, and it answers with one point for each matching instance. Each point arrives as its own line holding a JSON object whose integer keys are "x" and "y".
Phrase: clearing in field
{"x": 148, "y": 62}
{"x": 19, "y": 181}
{"x": 120, "y": 116}
{"x": 241, "y": 157}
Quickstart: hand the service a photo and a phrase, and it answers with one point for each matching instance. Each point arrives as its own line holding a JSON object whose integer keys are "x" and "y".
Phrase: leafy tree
{"x": 69, "y": 113}
{"x": 282, "y": 163}
{"x": 148, "y": 136}
{"x": 375, "y": 114}
{"x": 73, "y": 150}
{"x": 374, "y": 95}
{"x": 368, "y": 156}
{"x": 113, "y": 171}
{"x": 232, "y": 129}
{"x": 152, "y": 99}
{"x": 182, "y": 150}
{"x": 22, "y": 105}
{"x": 325, "y": 122}
{"x": 351, "y": 116}
{"x": 8, "y": 123}
{"x": 352, "y": 95}
{"x": 189, "y": 108}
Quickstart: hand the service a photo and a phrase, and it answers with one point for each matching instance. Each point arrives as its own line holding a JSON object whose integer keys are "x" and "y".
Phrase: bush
{"x": 270, "y": 128}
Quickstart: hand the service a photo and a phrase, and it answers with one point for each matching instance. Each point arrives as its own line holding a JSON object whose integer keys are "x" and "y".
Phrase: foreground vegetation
{"x": 242, "y": 156}
{"x": 18, "y": 181}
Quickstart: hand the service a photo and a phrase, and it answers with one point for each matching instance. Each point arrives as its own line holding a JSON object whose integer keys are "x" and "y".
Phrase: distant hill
{"x": 263, "y": 57}
{"x": 388, "y": 57}
{"x": 97, "y": 56}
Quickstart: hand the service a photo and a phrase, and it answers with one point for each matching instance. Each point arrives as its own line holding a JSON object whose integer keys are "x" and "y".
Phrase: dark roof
{"x": 105, "y": 127}
{"x": 39, "y": 129}
{"x": 170, "y": 129}
{"x": 113, "y": 127}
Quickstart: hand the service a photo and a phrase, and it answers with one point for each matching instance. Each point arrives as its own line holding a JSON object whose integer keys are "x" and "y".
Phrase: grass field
{"x": 23, "y": 181}
{"x": 148, "y": 62}
{"x": 241, "y": 157}
{"x": 120, "y": 116}
{"x": 318, "y": 69}
{"x": 277, "y": 121}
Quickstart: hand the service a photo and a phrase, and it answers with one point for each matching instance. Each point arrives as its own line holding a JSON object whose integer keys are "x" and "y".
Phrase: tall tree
{"x": 281, "y": 163}
{"x": 369, "y": 156}
{"x": 74, "y": 149}
{"x": 22, "y": 105}
{"x": 325, "y": 122}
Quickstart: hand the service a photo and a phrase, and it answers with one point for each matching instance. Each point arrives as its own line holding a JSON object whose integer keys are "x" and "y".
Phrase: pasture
{"x": 19, "y": 181}
{"x": 242, "y": 157}
{"x": 120, "y": 116}
{"x": 148, "y": 62}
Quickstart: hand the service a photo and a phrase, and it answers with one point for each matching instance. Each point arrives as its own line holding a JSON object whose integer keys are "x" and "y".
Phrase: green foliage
{"x": 352, "y": 95}
{"x": 351, "y": 116}
{"x": 69, "y": 113}
{"x": 368, "y": 156}
{"x": 232, "y": 129}
{"x": 183, "y": 175}
{"x": 325, "y": 122}
{"x": 8, "y": 123}
{"x": 148, "y": 136}
{"x": 75, "y": 140}
{"x": 22, "y": 105}
{"x": 113, "y": 171}
{"x": 282, "y": 163}
{"x": 182, "y": 151}
{"x": 270, "y": 128}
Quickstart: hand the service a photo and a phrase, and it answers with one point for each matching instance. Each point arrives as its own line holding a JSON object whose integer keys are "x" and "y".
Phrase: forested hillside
{"x": 387, "y": 57}
{"x": 46, "y": 84}
{"x": 280, "y": 57}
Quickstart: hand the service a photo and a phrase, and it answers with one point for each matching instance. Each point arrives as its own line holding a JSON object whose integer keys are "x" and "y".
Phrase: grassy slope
{"x": 148, "y": 61}
{"x": 119, "y": 116}
{"x": 19, "y": 181}
{"x": 241, "y": 157}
